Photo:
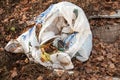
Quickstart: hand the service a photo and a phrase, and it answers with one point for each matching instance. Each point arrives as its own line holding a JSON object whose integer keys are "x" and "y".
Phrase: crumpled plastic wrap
{"x": 64, "y": 33}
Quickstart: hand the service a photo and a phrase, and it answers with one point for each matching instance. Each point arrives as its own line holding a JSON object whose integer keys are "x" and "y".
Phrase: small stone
{"x": 12, "y": 28}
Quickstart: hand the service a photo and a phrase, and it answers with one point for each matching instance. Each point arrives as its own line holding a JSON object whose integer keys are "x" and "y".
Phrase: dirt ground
{"x": 103, "y": 64}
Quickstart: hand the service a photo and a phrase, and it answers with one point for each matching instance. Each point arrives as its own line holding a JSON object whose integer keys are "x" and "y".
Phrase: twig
{"x": 104, "y": 16}
{"x": 117, "y": 15}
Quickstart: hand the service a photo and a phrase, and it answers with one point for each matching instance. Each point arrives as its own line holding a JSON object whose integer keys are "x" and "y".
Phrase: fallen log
{"x": 115, "y": 15}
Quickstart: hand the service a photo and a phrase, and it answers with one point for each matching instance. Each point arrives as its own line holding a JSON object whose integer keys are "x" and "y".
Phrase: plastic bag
{"x": 65, "y": 34}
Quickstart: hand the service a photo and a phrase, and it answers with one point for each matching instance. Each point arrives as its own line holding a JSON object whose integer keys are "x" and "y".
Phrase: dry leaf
{"x": 34, "y": 1}
{"x": 30, "y": 23}
{"x": 77, "y": 78}
{"x": 5, "y": 20}
{"x": 76, "y": 73}
{"x": 40, "y": 78}
{"x": 24, "y": 17}
{"x": 112, "y": 13}
{"x": 24, "y": 1}
{"x": 88, "y": 70}
{"x": 1, "y": 49}
{"x": 25, "y": 9}
{"x": 14, "y": 72}
{"x": 108, "y": 78}
{"x": 109, "y": 55}
{"x": 100, "y": 58}
{"x": 26, "y": 60}
{"x": 1, "y": 11}
{"x": 8, "y": 37}
{"x": 113, "y": 59}
{"x": 112, "y": 65}
{"x": 104, "y": 65}
{"x": 93, "y": 78}
{"x": 20, "y": 22}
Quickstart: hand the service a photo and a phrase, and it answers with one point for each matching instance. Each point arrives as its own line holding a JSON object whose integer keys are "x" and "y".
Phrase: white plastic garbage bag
{"x": 65, "y": 34}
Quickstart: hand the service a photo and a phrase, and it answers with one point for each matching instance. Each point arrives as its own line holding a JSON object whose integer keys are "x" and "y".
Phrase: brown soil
{"x": 103, "y": 64}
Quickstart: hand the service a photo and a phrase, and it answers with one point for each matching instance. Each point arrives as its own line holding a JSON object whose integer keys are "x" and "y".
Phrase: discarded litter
{"x": 65, "y": 33}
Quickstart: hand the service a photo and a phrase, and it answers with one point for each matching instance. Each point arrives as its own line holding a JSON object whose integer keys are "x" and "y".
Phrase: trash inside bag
{"x": 65, "y": 33}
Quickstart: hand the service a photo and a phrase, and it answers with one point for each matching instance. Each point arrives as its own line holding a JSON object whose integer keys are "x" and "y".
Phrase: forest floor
{"x": 104, "y": 61}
